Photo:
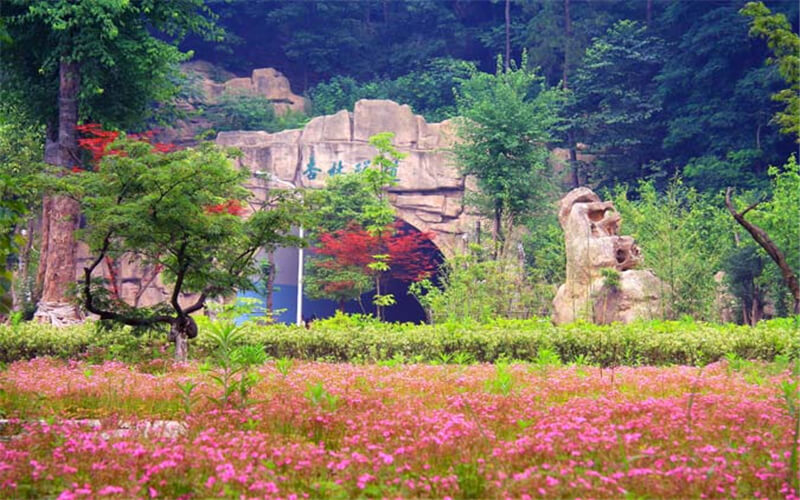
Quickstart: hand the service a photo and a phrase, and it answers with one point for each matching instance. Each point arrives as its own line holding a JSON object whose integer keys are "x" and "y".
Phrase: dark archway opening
{"x": 395, "y": 282}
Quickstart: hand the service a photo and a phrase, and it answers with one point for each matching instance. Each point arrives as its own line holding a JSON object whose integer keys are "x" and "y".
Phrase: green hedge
{"x": 359, "y": 339}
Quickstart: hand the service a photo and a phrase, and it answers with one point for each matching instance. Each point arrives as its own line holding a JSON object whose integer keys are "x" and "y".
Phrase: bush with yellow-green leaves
{"x": 363, "y": 339}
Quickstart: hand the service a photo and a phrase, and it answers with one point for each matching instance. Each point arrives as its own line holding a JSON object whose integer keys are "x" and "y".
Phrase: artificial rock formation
{"x": 429, "y": 194}
{"x": 593, "y": 244}
{"x": 430, "y": 190}
{"x": 211, "y": 82}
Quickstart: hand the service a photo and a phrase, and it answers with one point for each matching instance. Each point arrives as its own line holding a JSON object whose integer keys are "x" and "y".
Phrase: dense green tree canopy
{"x": 615, "y": 108}
{"x": 785, "y": 45}
{"x": 124, "y": 69}
{"x": 505, "y": 122}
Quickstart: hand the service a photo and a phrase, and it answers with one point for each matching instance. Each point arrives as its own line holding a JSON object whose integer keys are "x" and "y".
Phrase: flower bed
{"x": 340, "y": 431}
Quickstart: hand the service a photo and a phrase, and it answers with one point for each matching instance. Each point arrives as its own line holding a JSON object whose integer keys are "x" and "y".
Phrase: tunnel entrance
{"x": 410, "y": 251}
{"x": 413, "y": 251}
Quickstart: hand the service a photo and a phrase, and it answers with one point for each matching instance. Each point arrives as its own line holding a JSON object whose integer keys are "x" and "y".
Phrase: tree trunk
{"x": 573, "y": 160}
{"x": 378, "y": 308}
{"x": 499, "y": 237}
{"x": 60, "y": 215}
{"x": 567, "y": 40}
{"x": 761, "y": 237}
{"x": 508, "y": 35}
{"x": 181, "y": 347}
{"x": 180, "y": 331}
{"x": 270, "y": 285}
{"x": 23, "y": 278}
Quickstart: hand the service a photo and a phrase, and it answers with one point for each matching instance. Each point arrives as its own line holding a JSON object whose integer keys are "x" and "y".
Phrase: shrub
{"x": 359, "y": 338}
{"x": 247, "y": 111}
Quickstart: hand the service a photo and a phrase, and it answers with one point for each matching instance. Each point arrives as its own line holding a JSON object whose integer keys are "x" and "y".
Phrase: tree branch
{"x": 754, "y": 205}
{"x": 761, "y": 237}
{"x": 176, "y": 290}
{"x": 110, "y": 315}
{"x": 199, "y": 304}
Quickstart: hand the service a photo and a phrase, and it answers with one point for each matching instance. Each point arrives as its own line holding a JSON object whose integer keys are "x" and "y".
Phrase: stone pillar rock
{"x": 596, "y": 253}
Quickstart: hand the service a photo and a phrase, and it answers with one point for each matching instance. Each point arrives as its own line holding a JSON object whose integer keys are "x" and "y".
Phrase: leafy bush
{"x": 685, "y": 239}
{"x": 480, "y": 290}
{"x": 247, "y": 111}
{"x": 359, "y": 338}
{"x": 428, "y": 91}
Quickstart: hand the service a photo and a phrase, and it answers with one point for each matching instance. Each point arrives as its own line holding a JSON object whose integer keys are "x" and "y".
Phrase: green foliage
{"x": 744, "y": 266}
{"x": 685, "y": 238}
{"x": 123, "y": 67}
{"x": 341, "y": 92}
{"x": 318, "y": 277}
{"x": 181, "y": 211}
{"x": 785, "y": 45}
{"x": 20, "y": 161}
{"x": 505, "y": 122}
{"x": 11, "y": 212}
{"x": 615, "y": 108}
{"x": 364, "y": 339}
{"x": 358, "y": 197}
{"x": 428, "y": 91}
{"x": 317, "y": 40}
{"x": 716, "y": 94}
{"x": 231, "y": 362}
{"x": 503, "y": 380}
{"x": 712, "y": 173}
{"x": 545, "y": 256}
{"x": 778, "y": 216}
{"x": 478, "y": 290}
{"x": 247, "y": 111}
{"x": 319, "y": 397}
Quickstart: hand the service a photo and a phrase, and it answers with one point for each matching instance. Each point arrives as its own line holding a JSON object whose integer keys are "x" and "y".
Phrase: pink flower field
{"x": 314, "y": 430}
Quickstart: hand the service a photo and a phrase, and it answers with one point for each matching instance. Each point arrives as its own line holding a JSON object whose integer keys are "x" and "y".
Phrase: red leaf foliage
{"x": 97, "y": 140}
{"x": 410, "y": 255}
{"x": 349, "y": 247}
{"x": 232, "y": 207}
{"x": 410, "y": 252}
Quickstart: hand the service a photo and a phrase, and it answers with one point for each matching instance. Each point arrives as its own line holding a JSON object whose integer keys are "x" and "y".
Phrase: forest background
{"x": 673, "y": 100}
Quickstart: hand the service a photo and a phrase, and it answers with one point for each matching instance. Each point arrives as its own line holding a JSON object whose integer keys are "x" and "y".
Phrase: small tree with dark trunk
{"x": 185, "y": 212}
{"x": 773, "y": 225}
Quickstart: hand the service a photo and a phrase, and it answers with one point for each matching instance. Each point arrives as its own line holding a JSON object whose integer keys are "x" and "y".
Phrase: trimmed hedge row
{"x": 360, "y": 339}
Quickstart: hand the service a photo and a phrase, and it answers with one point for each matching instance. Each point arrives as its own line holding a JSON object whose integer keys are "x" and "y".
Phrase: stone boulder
{"x": 602, "y": 284}
{"x": 210, "y": 82}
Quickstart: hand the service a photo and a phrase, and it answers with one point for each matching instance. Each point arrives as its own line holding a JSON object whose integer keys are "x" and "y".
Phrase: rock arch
{"x": 430, "y": 190}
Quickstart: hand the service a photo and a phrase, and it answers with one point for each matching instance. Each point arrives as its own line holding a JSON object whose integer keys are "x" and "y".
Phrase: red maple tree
{"x": 410, "y": 252}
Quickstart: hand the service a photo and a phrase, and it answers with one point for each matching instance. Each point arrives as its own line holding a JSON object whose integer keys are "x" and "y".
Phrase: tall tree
{"x": 785, "y": 45}
{"x": 615, "y": 109}
{"x": 773, "y": 225}
{"x": 716, "y": 93}
{"x": 66, "y": 60}
{"x": 21, "y": 148}
{"x": 504, "y": 127}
